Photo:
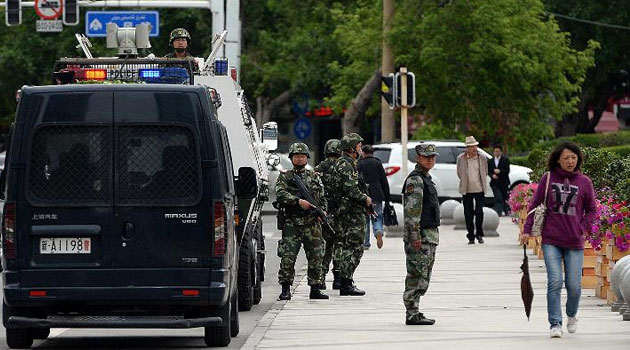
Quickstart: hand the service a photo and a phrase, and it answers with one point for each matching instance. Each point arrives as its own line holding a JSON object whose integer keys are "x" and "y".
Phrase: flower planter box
{"x": 613, "y": 253}
{"x": 601, "y": 292}
{"x": 589, "y": 281}
{"x": 610, "y": 296}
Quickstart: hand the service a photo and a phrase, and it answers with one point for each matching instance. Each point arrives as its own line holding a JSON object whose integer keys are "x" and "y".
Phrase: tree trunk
{"x": 358, "y": 106}
{"x": 266, "y": 109}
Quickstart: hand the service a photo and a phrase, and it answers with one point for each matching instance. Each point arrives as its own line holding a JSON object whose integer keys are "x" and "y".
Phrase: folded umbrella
{"x": 527, "y": 292}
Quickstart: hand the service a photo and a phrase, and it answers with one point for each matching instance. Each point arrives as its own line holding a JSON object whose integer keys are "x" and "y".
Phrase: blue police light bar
{"x": 150, "y": 73}
{"x": 170, "y": 75}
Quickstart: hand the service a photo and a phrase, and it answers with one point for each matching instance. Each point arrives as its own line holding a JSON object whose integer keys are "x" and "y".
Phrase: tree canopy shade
{"x": 610, "y": 77}
{"x": 494, "y": 66}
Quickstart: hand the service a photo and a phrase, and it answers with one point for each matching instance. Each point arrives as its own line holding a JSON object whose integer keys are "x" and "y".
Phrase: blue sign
{"x": 302, "y": 128}
{"x": 96, "y": 21}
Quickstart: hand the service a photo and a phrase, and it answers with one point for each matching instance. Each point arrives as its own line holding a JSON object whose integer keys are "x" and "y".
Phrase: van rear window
{"x": 154, "y": 165}
{"x": 70, "y": 165}
{"x": 157, "y": 165}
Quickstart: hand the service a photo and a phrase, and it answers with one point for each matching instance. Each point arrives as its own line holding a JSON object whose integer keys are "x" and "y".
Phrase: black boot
{"x": 286, "y": 292}
{"x": 337, "y": 281}
{"x": 418, "y": 320}
{"x": 316, "y": 293}
{"x": 348, "y": 288}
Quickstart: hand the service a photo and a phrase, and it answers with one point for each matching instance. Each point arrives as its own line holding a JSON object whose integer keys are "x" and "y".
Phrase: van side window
{"x": 157, "y": 165}
{"x": 70, "y": 165}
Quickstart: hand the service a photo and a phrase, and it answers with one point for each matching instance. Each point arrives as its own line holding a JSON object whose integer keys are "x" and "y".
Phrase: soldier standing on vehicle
{"x": 179, "y": 40}
{"x": 422, "y": 218}
{"x": 353, "y": 203}
{"x": 301, "y": 227}
{"x": 332, "y": 150}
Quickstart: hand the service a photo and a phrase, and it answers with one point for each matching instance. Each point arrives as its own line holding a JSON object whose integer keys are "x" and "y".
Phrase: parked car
{"x": 444, "y": 173}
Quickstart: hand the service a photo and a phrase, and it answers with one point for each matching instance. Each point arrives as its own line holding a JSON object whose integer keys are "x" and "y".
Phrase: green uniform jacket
{"x": 413, "y": 193}
{"x": 346, "y": 179}
{"x": 288, "y": 195}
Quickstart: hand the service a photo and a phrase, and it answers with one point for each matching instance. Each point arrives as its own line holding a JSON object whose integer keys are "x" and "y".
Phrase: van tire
{"x": 235, "y": 326}
{"x": 19, "y": 338}
{"x": 40, "y": 333}
{"x": 246, "y": 275}
{"x": 220, "y": 336}
{"x": 260, "y": 263}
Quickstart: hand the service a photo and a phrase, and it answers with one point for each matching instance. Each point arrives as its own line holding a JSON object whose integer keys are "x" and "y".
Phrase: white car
{"x": 444, "y": 173}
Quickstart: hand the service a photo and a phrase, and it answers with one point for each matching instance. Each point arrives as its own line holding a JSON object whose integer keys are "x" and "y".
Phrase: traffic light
{"x": 388, "y": 89}
{"x": 70, "y": 12}
{"x": 411, "y": 90}
{"x": 13, "y": 12}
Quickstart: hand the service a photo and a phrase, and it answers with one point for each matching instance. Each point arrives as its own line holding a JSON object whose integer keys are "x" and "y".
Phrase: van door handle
{"x": 129, "y": 232}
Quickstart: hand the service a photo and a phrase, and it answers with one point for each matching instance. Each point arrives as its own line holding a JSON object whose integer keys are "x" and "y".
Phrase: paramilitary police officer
{"x": 353, "y": 203}
{"x": 332, "y": 150}
{"x": 301, "y": 225}
{"x": 422, "y": 218}
{"x": 179, "y": 40}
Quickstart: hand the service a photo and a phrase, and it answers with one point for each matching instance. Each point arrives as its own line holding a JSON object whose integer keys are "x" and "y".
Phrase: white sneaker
{"x": 572, "y": 324}
{"x": 556, "y": 331}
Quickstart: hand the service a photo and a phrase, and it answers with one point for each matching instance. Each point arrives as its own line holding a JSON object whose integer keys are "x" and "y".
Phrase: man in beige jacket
{"x": 472, "y": 170}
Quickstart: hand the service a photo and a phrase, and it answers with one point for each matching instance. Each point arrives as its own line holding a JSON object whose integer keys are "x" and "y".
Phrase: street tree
{"x": 603, "y": 21}
{"x": 499, "y": 68}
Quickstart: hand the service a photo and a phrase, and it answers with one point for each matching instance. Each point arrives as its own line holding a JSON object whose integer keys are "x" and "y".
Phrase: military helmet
{"x": 298, "y": 148}
{"x": 179, "y": 33}
{"x": 427, "y": 150}
{"x": 333, "y": 146}
{"x": 350, "y": 141}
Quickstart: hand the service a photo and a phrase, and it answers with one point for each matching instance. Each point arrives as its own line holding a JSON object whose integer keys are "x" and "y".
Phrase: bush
{"x": 621, "y": 150}
{"x": 591, "y": 140}
{"x": 520, "y": 160}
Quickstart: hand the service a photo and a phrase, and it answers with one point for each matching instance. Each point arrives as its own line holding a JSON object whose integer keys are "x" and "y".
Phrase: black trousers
{"x": 477, "y": 212}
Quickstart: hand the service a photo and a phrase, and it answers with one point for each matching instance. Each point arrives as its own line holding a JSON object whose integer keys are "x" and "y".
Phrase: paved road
{"x": 172, "y": 338}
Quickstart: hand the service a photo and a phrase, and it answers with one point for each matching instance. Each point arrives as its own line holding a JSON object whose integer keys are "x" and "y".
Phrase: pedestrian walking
{"x": 571, "y": 208}
{"x": 353, "y": 203}
{"x": 372, "y": 172}
{"x": 332, "y": 150}
{"x": 421, "y": 237}
{"x": 472, "y": 171}
{"x": 301, "y": 226}
{"x": 499, "y": 171}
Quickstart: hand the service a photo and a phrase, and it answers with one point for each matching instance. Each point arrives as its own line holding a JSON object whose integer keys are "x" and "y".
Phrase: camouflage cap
{"x": 179, "y": 33}
{"x": 333, "y": 146}
{"x": 350, "y": 141}
{"x": 298, "y": 148}
{"x": 427, "y": 150}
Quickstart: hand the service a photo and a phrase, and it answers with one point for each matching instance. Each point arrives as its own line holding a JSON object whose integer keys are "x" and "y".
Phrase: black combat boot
{"x": 337, "y": 281}
{"x": 348, "y": 288}
{"x": 418, "y": 320}
{"x": 286, "y": 292}
{"x": 316, "y": 293}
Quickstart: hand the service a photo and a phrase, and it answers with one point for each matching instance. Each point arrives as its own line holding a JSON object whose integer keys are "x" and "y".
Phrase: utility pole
{"x": 388, "y": 123}
{"x": 403, "y": 119}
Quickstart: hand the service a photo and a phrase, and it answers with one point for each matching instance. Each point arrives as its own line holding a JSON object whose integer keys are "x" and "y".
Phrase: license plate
{"x": 65, "y": 245}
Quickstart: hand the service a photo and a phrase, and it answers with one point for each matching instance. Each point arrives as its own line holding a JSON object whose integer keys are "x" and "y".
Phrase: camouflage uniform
{"x": 182, "y": 33}
{"x": 352, "y": 208}
{"x": 422, "y": 218}
{"x": 301, "y": 227}
{"x": 325, "y": 169}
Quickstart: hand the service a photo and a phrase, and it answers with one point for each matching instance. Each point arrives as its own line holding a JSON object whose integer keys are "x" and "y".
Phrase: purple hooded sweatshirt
{"x": 571, "y": 208}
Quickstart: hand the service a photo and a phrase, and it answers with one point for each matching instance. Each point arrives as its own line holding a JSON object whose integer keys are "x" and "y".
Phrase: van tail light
{"x": 220, "y": 229}
{"x": 8, "y": 230}
{"x": 391, "y": 170}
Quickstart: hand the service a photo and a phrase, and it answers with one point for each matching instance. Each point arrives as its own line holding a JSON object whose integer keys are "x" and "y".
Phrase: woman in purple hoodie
{"x": 570, "y": 210}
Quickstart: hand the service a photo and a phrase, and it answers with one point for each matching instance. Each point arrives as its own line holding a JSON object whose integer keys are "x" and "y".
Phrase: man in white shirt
{"x": 472, "y": 171}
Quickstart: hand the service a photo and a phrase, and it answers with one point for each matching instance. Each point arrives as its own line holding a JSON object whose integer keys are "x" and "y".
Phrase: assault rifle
{"x": 314, "y": 203}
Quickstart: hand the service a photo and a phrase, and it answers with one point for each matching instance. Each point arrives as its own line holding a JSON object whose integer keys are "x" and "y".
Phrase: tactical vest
{"x": 430, "y": 217}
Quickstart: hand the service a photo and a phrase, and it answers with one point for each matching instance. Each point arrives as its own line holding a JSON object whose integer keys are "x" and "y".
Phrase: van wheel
{"x": 220, "y": 335}
{"x": 260, "y": 261}
{"x": 235, "y": 327}
{"x": 246, "y": 276}
{"x": 19, "y": 338}
{"x": 40, "y": 333}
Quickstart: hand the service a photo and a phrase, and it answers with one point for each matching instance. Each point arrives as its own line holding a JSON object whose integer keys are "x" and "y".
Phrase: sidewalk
{"x": 474, "y": 296}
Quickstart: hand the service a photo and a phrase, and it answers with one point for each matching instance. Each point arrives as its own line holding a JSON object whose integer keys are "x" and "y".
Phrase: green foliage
{"x": 494, "y": 65}
{"x": 437, "y": 130}
{"x": 537, "y": 160}
{"x": 621, "y": 187}
{"x": 591, "y": 140}
{"x": 520, "y": 160}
